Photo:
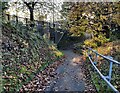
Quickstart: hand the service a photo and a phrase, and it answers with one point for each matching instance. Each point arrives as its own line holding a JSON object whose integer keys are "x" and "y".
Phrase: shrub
{"x": 58, "y": 53}
{"x": 90, "y": 43}
{"x": 96, "y": 41}
{"x": 100, "y": 40}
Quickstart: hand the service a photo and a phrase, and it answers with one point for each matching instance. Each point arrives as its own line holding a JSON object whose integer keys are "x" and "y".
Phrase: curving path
{"x": 69, "y": 75}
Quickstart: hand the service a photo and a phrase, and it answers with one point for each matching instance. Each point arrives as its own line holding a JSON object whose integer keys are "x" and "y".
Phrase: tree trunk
{"x": 31, "y": 17}
{"x": 30, "y": 6}
{"x": 31, "y": 14}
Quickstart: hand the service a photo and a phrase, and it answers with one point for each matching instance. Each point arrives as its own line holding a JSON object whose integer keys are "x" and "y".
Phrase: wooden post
{"x": 16, "y": 19}
{"x": 8, "y": 17}
{"x": 26, "y": 21}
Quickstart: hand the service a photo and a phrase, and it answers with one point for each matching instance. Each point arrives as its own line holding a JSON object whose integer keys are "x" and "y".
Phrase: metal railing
{"x": 107, "y": 78}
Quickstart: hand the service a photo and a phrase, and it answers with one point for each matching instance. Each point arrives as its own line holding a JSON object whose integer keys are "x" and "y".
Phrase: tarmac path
{"x": 69, "y": 75}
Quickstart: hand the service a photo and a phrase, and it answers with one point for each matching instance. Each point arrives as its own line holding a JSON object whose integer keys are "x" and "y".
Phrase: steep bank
{"x": 24, "y": 54}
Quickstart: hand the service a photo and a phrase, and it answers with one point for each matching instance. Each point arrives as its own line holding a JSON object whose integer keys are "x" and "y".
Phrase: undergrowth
{"x": 24, "y": 53}
{"x": 108, "y": 49}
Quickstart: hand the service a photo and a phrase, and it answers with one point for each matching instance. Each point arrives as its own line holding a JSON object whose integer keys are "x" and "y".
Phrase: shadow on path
{"x": 69, "y": 75}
